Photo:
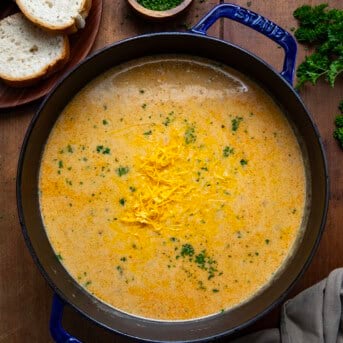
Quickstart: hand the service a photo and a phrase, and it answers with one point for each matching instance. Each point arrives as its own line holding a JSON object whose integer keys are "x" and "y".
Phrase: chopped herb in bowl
{"x": 159, "y": 5}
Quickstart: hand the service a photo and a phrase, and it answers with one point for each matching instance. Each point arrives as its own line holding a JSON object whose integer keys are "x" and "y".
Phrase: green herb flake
{"x": 122, "y": 171}
{"x": 104, "y": 122}
{"x": 187, "y": 250}
{"x": 190, "y": 135}
{"x": 201, "y": 286}
{"x": 87, "y": 283}
{"x": 144, "y": 106}
{"x": 235, "y": 122}
{"x": 122, "y": 201}
{"x": 60, "y": 164}
{"x": 227, "y": 151}
{"x": 215, "y": 290}
{"x": 267, "y": 241}
{"x": 59, "y": 257}
{"x": 243, "y": 162}
{"x": 147, "y": 133}
{"x": 132, "y": 189}
{"x": 70, "y": 149}
{"x": 103, "y": 150}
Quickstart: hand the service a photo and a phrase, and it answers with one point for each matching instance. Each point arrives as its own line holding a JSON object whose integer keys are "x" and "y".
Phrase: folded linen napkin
{"x": 313, "y": 316}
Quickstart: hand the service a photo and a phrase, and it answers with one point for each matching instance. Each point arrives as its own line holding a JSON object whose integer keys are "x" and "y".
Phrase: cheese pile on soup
{"x": 172, "y": 188}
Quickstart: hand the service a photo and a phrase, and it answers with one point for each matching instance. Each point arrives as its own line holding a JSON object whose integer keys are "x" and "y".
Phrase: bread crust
{"x": 44, "y": 73}
{"x": 70, "y": 28}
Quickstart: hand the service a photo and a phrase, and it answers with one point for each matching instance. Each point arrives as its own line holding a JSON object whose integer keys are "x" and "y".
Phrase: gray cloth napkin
{"x": 313, "y": 316}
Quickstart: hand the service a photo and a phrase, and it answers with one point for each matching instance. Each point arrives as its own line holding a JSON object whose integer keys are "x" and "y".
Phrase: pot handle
{"x": 57, "y": 332}
{"x": 258, "y": 23}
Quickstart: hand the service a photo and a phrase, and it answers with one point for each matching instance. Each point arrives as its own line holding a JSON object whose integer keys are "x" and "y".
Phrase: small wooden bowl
{"x": 159, "y": 15}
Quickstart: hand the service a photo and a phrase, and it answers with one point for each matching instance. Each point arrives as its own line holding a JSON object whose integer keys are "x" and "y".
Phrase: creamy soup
{"x": 172, "y": 188}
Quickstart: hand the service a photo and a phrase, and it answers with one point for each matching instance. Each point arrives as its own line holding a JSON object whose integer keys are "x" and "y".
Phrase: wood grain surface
{"x": 80, "y": 45}
{"x": 25, "y": 298}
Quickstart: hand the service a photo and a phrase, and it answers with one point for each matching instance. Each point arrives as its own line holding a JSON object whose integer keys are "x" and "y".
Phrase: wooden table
{"x": 25, "y": 297}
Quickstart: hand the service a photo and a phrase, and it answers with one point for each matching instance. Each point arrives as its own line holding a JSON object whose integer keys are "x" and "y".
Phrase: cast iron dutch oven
{"x": 196, "y": 43}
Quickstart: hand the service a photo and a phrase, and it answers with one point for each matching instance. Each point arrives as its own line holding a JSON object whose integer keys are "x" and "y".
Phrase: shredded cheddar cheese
{"x": 166, "y": 185}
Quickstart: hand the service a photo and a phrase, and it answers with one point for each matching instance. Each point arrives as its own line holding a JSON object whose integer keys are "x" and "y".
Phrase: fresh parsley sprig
{"x": 338, "y": 133}
{"x": 321, "y": 28}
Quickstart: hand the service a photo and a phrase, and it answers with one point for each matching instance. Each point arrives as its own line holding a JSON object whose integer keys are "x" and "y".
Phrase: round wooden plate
{"x": 80, "y": 45}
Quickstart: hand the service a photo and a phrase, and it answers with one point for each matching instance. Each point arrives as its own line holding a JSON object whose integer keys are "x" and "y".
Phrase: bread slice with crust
{"x": 28, "y": 53}
{"x": 63, "y": 16}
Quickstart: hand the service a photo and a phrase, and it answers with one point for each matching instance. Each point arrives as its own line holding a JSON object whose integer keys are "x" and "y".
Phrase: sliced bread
{"x": 65, "y": 16}
{"x": 28, "y": 53}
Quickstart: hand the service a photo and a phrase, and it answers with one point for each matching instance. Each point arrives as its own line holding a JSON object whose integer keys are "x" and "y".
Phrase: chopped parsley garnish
{"x": 120, "y": 270}
{"x": 243, "y": 162}
{"x": 69, "y": 149}
{"x": 144, "y": 106}
{"x": 60, "y": 164}
{"x": 227, "y": 151}
{"x": 105, "y": 122}
{"x": 122, "y": 171}
{"x": 103, "y": 150}
{"x": 59, "y": 256}
{"x": 190, "y": 136}
{"x": 215, "y": 290}
{"x": 187, "y": 250}
{"x": 132, "y": 189}
{"x": 122, "y": 201}
{"x": 87, "y": 283}
{"x": 201, "y": 285}
{"x": 206, "y": 263}
{"x": 167, "y": 121}
{"x": 267, "y": 241}
{"x": 147, "y": 133}
{"x": 235, "y": 123}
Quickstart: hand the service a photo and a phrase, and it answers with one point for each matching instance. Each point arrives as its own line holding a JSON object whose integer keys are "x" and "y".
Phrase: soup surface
{"x": 172, "y": 188}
